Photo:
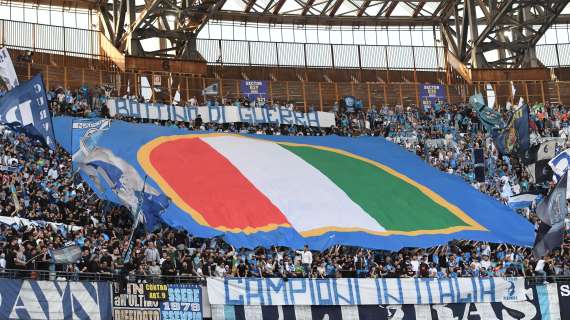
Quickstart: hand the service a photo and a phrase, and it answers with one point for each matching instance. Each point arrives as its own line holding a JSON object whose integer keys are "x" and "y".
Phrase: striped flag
{"x": 523, "y": 200}
{"x": 559, "y": 164}
{"x": 69, "y": 254}
{"x": 249, "y": 184}
{"x": 538, "y": 158}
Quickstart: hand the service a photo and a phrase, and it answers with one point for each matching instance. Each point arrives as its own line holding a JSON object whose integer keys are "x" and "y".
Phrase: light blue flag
{"x": 559, "y": 164}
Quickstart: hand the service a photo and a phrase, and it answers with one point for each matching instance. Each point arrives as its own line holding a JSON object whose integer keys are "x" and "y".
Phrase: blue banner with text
{"x": 28, "y": 299}
{"x": 430, "y": 94}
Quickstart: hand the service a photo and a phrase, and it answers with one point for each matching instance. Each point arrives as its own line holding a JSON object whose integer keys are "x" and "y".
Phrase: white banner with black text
{"x": 220, "y": 114}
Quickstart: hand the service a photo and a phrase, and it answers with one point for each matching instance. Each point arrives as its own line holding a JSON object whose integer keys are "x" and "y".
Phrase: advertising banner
{"x": 301, "y": 291}
{"x": 430, "y": 93}
{"x": 28, "y": 299}
{"x": 255, "y": 90}
{"x": 219, "y": 114}
{"x": 540, "y": 303}
{"x": 155, "y": 301}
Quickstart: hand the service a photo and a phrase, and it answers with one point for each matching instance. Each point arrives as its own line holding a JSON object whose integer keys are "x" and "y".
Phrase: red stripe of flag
{"x": 213, "y": 186}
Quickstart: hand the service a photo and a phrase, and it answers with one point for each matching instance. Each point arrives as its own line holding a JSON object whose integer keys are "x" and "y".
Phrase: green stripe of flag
{"x": 394, "y": 203}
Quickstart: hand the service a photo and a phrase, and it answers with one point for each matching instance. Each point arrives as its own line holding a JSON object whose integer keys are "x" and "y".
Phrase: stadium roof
{"x": 309, "y": 12}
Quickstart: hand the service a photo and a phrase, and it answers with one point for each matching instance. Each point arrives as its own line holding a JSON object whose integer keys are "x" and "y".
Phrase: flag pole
{"x": 128, "y": 253}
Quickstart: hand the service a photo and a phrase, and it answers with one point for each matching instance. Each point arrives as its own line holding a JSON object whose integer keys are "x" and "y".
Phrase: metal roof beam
{"x": 335, "y": 7}
{"x": 278, "y": 6}
{"x": 249, "y": 6}
{"x": 363, "y": 8}
{"x": 418, "y": 9}
{"x": 307, "y": 7}
{"x": 391, "y": 8}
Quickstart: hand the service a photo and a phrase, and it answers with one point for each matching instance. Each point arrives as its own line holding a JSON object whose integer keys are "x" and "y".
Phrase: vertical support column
{"x": 137, "y": 86}
{"x": 369, "y": 95}
{"x": 497, "y": 102}
{"x": 221, "y": 87}
{"x": 385, "y": 94}
{"x": 83, "y": 78}
{"x": 101, "y": 78}
{"x": 352, "y": 89}
{"x": 65, "y": 78}
{"x": 417, "y": 94}
{"x": 336, "y": 92}
{"x": 321, "y": 95}
{"x": 526, "y": 92}
{"x": 414, "y": 60}
{"x": 387, "y": 65}
{"x": 542, "y": 91}
{"x": 29, "y": 65}
{"x": 558, "y": 92}
{"x": 470, "y": 7}
{"x": 187, "y": 89}
{"x": 47, "y": 77}
{"x": 303, "y": 83}
{"x": 271, "y": 91}
{"x": 237, "y": 89}
{"x": 151, "y": 83}
{"x": 204, "y": 87}
{"x": 447, "y": 94}
{"x": 401, "y": 96}
{"x": 171, "y": 82}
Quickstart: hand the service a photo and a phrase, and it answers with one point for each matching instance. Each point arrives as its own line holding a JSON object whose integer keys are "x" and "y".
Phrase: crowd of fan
{"x": 41, "y": 184}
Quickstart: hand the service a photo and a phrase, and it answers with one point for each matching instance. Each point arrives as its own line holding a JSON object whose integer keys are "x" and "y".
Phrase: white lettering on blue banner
{"x": 301, "y": 291}
{"x": 220, "y": 114}
{"x": 54, "y": 300}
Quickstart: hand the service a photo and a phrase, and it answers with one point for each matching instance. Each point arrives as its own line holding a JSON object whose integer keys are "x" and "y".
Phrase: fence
{"x": 85, "y": 43}
{"x": 120, "y": 277}
{"x": 89, "y": 276}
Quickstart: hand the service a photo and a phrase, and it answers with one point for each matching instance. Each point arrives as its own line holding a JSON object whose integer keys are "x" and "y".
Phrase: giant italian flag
{"x": 290, "y": 191}
{"x": 243, "y": 184}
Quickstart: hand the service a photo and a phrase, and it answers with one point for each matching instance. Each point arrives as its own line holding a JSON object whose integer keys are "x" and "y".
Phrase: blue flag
{"x": 515, "y": 137}
{"x": 66, "y": 255}
{"x": 490, "y": 118}
{"x": 114, "y": 179}
{"x": 25, "y": 108}
{"x": 560, "y": 163}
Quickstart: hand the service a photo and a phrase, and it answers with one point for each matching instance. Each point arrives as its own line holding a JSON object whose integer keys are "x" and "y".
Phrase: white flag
{"x": 7, "y": 72}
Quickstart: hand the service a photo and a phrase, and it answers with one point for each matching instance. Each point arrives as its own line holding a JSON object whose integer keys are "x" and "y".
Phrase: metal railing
{"x": 49, "y": 38}
{"x": 88, "y": 276}
{"x": 129, "y": 278}
{"x": 85, "y": 43}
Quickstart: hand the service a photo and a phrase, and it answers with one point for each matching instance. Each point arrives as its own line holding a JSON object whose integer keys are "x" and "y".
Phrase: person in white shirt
{"x": 220, "y": 271}
{"x": 485, "y": 263}
{"x": 539, "y": 269}
{"x": 415, "y": 264}
{"x": 306, "y": 259}
{"x": 52, "y": 173}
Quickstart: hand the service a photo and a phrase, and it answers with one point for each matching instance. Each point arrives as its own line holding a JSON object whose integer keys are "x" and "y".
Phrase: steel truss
{"x": 510, "y": 34}
{"x": 480, "y": 33}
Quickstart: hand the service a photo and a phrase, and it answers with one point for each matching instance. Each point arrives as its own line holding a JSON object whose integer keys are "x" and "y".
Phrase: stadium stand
{"x": 243, "y": 177}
